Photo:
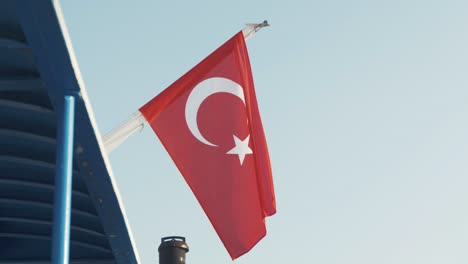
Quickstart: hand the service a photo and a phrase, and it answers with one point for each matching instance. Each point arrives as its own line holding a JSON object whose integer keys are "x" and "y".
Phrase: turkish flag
{"x": 209, "y": 123}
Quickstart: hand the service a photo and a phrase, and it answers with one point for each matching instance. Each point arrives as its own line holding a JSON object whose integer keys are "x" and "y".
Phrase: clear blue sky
{"x": 365, "y": 107}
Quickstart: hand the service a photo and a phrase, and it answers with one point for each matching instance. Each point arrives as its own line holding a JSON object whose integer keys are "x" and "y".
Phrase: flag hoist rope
{"x": 136, "y": 122}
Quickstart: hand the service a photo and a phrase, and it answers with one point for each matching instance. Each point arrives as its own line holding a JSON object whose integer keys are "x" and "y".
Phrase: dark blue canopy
{"x": 37, "y": 67}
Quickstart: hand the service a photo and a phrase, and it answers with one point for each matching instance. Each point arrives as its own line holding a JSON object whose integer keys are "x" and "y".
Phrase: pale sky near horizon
{"x": 364, "y": 105}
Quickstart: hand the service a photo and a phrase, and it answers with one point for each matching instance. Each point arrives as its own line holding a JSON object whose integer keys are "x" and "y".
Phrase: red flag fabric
{"x": 208, "y": 121}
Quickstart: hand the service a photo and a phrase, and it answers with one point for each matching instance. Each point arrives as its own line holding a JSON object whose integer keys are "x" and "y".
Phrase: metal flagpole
{"x": 136, "y": 122}
{"x": 63, "y": 183}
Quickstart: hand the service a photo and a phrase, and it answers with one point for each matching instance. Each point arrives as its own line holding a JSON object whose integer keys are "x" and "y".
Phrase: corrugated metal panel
{"x": 36, "y": 66}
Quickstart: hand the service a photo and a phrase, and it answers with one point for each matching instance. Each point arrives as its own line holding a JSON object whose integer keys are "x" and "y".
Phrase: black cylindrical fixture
{"x": 172, "y": 250}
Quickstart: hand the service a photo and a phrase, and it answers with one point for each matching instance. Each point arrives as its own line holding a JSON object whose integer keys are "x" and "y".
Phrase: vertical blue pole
{"x": 63, "y": 183}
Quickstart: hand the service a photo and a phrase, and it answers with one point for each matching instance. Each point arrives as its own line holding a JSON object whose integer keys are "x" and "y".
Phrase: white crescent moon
{"x": 200, "y": 93}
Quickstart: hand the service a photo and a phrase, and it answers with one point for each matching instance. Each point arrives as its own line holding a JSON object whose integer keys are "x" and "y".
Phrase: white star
{"x": 241, "y": 148}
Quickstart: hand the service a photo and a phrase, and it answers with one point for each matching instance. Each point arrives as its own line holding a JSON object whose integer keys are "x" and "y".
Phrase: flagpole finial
{"x": 264, "y": 24}
{"x": 252, "y": 28}
{"x": 259, "y": 26}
